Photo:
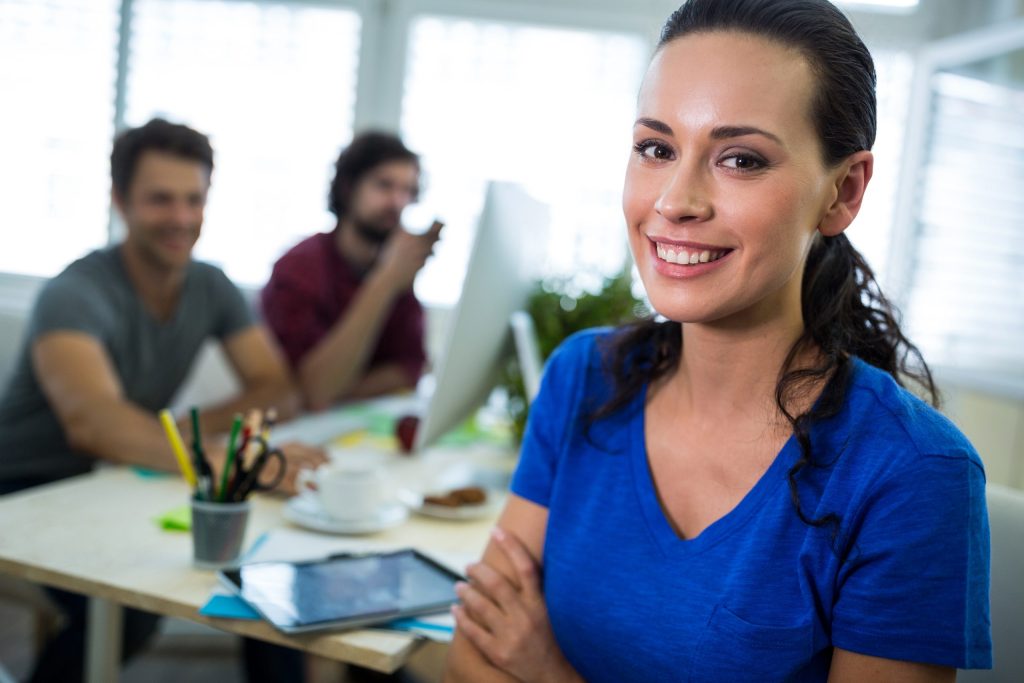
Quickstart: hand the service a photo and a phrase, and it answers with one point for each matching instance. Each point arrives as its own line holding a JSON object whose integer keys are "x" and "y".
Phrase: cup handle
{"x": 305, "y": 480}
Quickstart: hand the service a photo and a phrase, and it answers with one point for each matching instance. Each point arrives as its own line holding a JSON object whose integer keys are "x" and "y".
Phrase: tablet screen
{"x": 345, "y": 590}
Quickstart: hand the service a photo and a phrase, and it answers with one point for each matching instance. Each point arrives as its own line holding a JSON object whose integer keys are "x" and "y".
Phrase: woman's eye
{"x": 743, "y": 162}
{"x": 652, "y": 150}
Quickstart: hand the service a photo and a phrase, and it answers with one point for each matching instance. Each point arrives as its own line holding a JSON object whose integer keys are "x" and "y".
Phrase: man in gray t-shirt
{"x": 109, "y": 342}
{"x": 95, "y": 299}
{"x": 112, "y": 338}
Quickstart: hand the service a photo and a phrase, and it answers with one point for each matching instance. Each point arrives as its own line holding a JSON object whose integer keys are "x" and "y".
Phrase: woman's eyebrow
{"x": 718, "y": 133}
{"x": 726, "y": 132}
{"x": 655, "y": 125}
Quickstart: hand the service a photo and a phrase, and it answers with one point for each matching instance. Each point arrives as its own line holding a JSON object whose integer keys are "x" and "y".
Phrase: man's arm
{"x": 79, "y": 381}
{"x": 262, "y": 371}
{"x": 384, "y": 379}
{"x": 334, "y": 368}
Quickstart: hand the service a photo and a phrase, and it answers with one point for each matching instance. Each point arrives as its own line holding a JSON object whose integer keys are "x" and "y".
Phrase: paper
{"x": 438, "y": 627}
{"x": 228, "y": 607}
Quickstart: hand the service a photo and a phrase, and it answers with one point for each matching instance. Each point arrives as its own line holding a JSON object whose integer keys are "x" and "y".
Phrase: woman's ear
{"x": 852, "y": 179}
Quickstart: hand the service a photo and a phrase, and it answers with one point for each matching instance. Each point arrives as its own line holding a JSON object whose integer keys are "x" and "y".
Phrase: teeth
{"x": 684, "y": 257}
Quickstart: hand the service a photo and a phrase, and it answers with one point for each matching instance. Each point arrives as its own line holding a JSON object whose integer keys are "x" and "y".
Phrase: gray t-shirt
{"x": 151, "y": 358}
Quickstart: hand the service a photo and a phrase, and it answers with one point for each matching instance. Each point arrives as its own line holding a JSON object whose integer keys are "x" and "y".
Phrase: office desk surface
{"x": 96, "y": 535}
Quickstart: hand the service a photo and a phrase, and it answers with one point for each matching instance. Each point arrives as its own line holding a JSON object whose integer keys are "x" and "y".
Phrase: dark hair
{"x": 366, "y": 152}
{"x": 845, "y": 313}
{"x": 159, "y": 135}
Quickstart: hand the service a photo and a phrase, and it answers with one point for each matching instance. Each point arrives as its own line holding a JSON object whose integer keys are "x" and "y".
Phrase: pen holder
{"x": 218, "y": 530}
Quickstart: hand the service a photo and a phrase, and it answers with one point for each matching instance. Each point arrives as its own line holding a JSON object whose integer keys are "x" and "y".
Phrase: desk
{"x": 96, "y": 535}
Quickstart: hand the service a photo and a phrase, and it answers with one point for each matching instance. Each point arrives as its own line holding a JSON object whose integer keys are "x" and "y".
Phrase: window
{"x": 273, "y": 84}
{"x": 901, "y": 6}
{"x": 872, "y": 231}
{"x": 966, "y": 300}
{"x": 56, "y": 124}
{"x": 549, "y": 108}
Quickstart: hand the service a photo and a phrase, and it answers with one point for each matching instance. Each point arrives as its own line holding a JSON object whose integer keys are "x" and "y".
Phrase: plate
{"x": 306, "y": 512}
{"x": 488, "y": 508}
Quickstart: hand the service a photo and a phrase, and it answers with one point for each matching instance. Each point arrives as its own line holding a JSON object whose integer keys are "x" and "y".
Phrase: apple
{"x": 405, "y": 432}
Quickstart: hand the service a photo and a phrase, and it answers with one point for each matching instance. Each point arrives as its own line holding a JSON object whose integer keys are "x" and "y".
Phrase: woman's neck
{"x": 729, "y": 371}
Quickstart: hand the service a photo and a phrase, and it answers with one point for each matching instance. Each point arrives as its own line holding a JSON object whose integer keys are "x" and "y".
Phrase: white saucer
{"x": 306, "y": 511}
{"x": 414, "y": 500}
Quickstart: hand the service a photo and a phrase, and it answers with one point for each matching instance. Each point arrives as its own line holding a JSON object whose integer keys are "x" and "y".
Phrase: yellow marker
{"x": 178, "y": 446}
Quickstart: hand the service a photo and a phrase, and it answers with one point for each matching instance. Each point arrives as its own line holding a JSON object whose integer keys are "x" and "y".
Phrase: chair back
{"x": 1006, "y": 520}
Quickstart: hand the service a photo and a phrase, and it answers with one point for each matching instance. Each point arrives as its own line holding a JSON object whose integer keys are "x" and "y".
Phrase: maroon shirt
{"x": 311, "y": 288}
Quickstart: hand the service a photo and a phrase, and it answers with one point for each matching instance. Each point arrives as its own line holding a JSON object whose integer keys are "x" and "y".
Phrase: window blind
{"x": 57, "y": 67}
{"x": 549, "y": 108}
{"x": 273, "y": 85}
{"x": 966, "y": 300}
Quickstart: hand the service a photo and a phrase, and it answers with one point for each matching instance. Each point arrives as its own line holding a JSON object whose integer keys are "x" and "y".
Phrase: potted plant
{"x": 558, "y": 309}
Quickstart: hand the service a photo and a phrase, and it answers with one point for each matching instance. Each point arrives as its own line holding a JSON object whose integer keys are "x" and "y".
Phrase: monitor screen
{"x": 504, "y": 265}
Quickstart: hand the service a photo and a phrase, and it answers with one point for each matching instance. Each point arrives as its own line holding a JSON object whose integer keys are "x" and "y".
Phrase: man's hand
{"x": 299, "y": 456}
{"x": 404, "y": 254}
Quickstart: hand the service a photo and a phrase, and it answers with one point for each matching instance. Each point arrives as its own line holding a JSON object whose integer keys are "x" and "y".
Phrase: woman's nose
{"x": 686, "y": 197}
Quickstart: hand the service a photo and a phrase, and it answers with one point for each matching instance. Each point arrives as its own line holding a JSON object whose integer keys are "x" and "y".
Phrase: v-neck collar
{"x": 147, "y": 314}
{"x": 657, "y": 522}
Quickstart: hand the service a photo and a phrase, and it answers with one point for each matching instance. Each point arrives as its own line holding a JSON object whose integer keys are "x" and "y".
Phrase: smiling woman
{"x": 765, "y": 497}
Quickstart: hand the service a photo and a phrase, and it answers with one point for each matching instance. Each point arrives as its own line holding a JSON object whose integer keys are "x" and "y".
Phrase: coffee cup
{"x": 345, "y": 491}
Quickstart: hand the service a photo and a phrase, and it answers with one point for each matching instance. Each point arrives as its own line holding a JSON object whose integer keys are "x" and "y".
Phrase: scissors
{"x": 248, "y": 478}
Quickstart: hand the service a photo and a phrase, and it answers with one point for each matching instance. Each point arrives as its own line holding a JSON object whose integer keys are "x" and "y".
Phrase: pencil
{"x": 236, "y": 427}
{"x": 178, "y": 447}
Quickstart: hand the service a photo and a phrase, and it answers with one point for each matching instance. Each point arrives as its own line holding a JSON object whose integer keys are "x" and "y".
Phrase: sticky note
{"x": 177, "y": 519}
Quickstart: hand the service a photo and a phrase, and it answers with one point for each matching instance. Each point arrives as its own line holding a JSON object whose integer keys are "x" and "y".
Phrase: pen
{"x": 178, "y": 447}
{"x": 236, "y": 427}
{"x": 236, "y": 476}
{"x": 269, "y": 419}
{"x": 253, "y": 425}
{"x": 205, "y": 474}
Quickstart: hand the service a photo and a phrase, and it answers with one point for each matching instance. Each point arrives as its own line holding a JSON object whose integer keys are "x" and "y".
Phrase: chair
{"x": 1006, "y": 518}
{"x": 12, "y": 590}
{"x": 48, "y": 617}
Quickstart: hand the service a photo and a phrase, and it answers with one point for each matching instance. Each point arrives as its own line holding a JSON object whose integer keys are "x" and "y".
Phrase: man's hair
{"x": 158, "y": 135}
{"x": 366, "y": 152}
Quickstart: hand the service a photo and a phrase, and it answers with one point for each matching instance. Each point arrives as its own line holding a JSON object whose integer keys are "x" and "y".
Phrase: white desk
{"x": 96, "y": 535}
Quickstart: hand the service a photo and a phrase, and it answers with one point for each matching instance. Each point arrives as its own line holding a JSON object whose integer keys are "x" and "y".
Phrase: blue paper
{"x": 228, "y": 607}
{"x": 411, "y": 624}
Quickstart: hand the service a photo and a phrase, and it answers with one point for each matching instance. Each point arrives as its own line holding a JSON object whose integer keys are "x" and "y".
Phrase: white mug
{"x": 345, "y": 491}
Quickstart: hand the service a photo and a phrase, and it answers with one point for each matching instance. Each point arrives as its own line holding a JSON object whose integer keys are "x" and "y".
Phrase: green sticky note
{"x": 177, "y": 519}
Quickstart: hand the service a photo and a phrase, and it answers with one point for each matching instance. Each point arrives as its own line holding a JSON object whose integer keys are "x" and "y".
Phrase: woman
{"x": 744, "y": 491}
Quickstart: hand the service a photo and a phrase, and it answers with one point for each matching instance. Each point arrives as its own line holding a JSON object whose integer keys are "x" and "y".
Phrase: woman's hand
{"x": 509, "y": 624}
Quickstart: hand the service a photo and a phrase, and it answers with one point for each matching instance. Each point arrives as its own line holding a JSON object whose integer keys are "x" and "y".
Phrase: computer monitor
{"x": 504, "y": 265}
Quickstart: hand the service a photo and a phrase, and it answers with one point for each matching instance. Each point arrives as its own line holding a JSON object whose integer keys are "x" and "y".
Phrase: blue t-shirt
{"x": 759, "y": 595}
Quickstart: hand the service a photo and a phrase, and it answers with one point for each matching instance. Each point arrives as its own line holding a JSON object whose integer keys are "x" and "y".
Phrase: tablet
{"x": 344, "y": 591}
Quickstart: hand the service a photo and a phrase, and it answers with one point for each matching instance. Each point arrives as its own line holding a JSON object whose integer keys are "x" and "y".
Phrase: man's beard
{"x": 376, "y": 232}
